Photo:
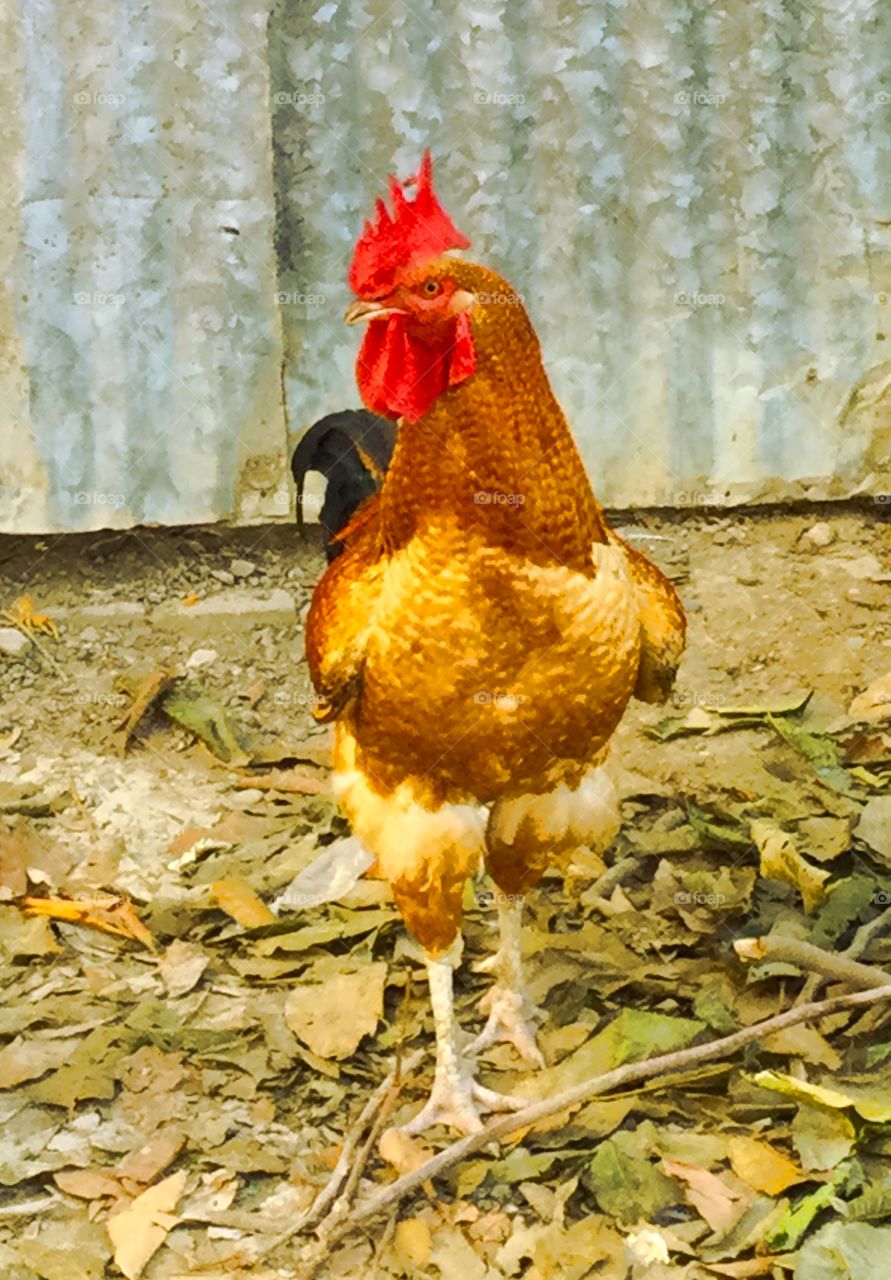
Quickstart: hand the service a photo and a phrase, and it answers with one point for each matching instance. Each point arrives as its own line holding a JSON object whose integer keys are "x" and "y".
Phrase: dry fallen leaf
{"x": 412, "y": 1242}
{"x": 153, "y": 1157}
{"x": 25, "y": 935}
{"x": 402, "y": 1151}
{"x": 751, "y": 1267}
{"x": 28, "y": 1059}
{"x": 181, "y": 966}
{"x": 718, "y": 1204}
{"x": 111, "y": 915}
{"x": 874, "y": 703}
{"x": 146, "y": 694}
{"x": 88, "y": 1184}
{"x": 152, "y": 1070}
{"x": 254, "y": 692}
{"x": 236, "y": 897}
{"x": 301, "y": 782}
{"x": 24, "y": 616}
{"x": 804, "y": 1042}
{"x": 762, "y": 1166}
{"x": 332, "y": 1016}
{"x": 27, "y": 857}
{"x": 780, "y": 860}
{"x": 138, "y": 1232}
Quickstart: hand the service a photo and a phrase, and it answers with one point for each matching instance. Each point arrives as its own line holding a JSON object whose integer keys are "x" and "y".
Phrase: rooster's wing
{"x": 339, "y": 619}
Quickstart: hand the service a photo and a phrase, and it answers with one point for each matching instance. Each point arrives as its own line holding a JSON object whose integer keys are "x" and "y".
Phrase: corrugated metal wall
{"x": 141, "y": 330}
{"x": 694, "y": 200}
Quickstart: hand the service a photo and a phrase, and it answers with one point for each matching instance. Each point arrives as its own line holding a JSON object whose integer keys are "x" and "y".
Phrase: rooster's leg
{"x": 512, "y": 1015}
{"x": 456, "y": 1099}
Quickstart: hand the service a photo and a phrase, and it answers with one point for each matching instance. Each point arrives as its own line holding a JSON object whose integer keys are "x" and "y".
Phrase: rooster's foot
{"x": 512, "y": 1018}
{"x": 458, "y": 1100}
{"x": 511, "y": 1014}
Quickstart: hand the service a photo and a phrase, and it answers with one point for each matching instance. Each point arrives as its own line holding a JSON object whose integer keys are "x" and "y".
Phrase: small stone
{"x": 13, "y": 642}
{"x": 235, "y": 609}
{"x": 89, "y": 635}
{"x": 201, "y": 658}
{"x": 819, "y": 535}
{"x": 113, "y": 613}
{"x": 869, "y": 595}
{"x": 243, "y": 799}
{"x": 725, "y": 537}
{"x": 747, "y": 574}
{"x": 224, "y": 576}
{"x": 242, "y": 568}
{"x": 863, "y": 568}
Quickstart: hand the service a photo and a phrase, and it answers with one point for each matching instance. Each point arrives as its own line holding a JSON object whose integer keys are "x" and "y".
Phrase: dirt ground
{"x": 193, "y": 1069}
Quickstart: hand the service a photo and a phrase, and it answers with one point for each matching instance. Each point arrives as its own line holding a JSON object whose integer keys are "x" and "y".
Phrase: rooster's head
{"x": 419, "y": 340}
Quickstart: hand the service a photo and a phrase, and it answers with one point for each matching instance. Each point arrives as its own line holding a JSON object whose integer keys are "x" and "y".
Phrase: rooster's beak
{"x": 360, "y": 311}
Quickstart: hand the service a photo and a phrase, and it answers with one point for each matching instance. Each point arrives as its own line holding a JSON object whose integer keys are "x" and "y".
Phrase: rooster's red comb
{"x": 415, "y": 231}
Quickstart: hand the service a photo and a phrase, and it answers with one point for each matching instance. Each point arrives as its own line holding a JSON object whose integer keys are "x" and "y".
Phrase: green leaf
{"x": 843, "y": 903}
{"x": 710, "y": 1005}
{"x": 319, "y": 935}
{"x": 638, "y": 1033}
{"x": 92, "y": 1071}
{"x": 632, "y": 1035}
{"x": 521, "y": 1165}
{"x": 711, "y": 720}
{"x": 713, "y": 832}
{"x": 208, "y": 720}
{"x": 822, "y": 1137}
{"x": 628, "y": 1186}
{"x": 878, "y": 1053}
{"x": 874, "y": 1106}
{"x": 786, "y": 1233}
{"x": 873, "y": 1202}
{"x": 846, "y": 1251}
{"x": 824, "y": 754}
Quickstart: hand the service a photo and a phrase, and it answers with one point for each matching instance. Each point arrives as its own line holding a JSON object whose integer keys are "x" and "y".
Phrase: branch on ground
{"x": 804, "y": 955}
{"x": 333, "y": 1229}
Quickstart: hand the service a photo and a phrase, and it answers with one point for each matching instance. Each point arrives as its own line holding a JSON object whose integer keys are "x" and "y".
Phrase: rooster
{"x": 352, "y": 450}
{"x": 479, "y": 638}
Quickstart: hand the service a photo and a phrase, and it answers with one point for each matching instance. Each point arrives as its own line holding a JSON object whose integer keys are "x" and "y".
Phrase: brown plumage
{"x": 477, "y": 643}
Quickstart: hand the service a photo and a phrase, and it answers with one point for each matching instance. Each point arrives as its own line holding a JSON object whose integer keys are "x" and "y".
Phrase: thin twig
{"x": 861, "y": 940}
{"x": 314, "y": 1254}
{"x": 386, "y": 1236}
{"x": 342, "y": 1170}
{"x": 804, "y": 955}
{"x": 865, "y": 934}
{"x": 631, "y": 1073}
{"x": 613, "y": 876}
{"x": 362, "y": 1156}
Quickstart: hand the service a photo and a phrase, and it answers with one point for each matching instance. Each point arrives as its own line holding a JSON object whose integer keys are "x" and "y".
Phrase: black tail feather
{"x": 352, "y": 449}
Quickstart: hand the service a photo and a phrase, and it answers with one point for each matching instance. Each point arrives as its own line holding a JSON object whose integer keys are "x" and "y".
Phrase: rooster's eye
{"x": 431, "y": 288}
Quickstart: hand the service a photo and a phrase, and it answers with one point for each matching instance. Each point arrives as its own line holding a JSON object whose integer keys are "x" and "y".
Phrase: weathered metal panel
{"x": 141, "y": 331}
{"x": 692, "y": 198}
